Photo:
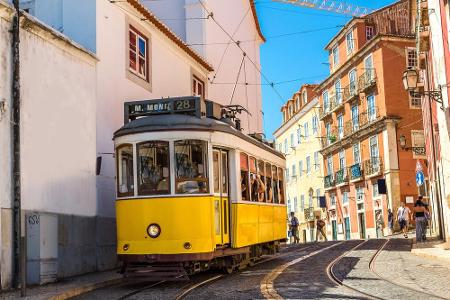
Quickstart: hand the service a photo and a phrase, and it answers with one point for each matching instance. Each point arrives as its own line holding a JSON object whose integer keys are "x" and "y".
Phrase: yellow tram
{"x": 193, "y": 191}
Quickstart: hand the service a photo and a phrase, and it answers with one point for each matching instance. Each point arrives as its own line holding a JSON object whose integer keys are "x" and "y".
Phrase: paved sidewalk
{"x": 68, "y": 287}
{"x": 433, "y": 248}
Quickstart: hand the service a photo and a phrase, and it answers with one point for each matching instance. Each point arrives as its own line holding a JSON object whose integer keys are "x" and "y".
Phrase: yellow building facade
{"x": 298, "y": 139}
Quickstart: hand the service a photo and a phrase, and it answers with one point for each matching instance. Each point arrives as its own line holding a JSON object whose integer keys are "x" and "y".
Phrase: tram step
{"x": 157, "y": 273}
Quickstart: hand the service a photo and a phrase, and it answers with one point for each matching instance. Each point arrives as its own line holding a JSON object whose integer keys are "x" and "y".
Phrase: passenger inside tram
{"x": 269, "y": 191}
{"x": 153, "y": 168}
{"x": 190, "y": 159}
{"x": 244, "y": 177}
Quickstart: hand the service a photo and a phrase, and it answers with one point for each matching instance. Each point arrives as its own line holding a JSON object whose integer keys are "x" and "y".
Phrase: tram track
{"x": 371, "y": 266}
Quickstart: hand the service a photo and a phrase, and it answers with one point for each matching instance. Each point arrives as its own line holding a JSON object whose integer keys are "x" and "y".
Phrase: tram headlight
{"x": 153, "y": 230}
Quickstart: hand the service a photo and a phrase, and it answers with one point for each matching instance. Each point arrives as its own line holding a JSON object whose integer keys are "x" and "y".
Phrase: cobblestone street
{"x": 371, "y": 269}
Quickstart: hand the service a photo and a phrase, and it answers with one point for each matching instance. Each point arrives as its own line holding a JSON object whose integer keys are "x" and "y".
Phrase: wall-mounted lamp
{"x": 402, "y": 141}
{"x": 410, "y": 80}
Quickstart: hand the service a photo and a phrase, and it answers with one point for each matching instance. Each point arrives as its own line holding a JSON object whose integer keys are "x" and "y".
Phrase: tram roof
{"x": 179, "y": 122}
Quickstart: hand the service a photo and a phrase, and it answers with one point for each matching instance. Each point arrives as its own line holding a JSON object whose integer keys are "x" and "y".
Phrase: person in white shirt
{"x": 403, "y": 217}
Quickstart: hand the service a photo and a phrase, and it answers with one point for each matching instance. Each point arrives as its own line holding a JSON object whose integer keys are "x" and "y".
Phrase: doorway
{"x": 347, "y": 228}
{"x": 362, "y": 225}
{"x": 221, "y": 200}
{"x": 334, "y": 229}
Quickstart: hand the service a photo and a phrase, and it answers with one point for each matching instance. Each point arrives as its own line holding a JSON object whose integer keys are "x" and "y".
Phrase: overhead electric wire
{"x": 237, "y": 78}
{"x": 238, "y": 45}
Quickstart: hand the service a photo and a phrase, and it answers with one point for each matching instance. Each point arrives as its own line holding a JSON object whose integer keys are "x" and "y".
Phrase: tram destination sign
{"x": 178, "y": 105}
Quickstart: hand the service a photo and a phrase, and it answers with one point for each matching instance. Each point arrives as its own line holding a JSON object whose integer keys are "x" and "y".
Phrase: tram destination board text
{"x": 185, "y": 105}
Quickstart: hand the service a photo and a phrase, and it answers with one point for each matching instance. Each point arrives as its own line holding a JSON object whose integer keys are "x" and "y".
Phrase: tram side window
{"x": 276, "y": 195}
{"x": 191, "y": 165}
{"x": 261, "y": 182}
{"x": 269, "y": 189}
{"x": 153, "y": 168}
{"x": 281, "y": 184}
{"x": 125, "y": 178}
{"x": 244, "y": 177}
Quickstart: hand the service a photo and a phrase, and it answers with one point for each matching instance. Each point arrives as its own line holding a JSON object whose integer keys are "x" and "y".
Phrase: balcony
{"x": 341, "y": 177}
{"x": 373, "y": 166}
{"x": 367, "y": 80}
{"x": 329, "y": 108}
{"x": 350, "y": 92}
{"x": 362, "y": 120}
{"x": 356, "y": 173}
{"x": 332, "y": 137}
{"x": 328, "y": 181}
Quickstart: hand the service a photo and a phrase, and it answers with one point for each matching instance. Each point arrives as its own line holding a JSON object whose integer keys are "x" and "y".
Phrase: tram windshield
{"x": 191, "y": 165}
{"x": 125, "y": 179}
{"x": 153, "y": 168}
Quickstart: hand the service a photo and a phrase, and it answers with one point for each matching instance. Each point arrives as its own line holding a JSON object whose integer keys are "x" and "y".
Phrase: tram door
{"x": 221, "y": 201}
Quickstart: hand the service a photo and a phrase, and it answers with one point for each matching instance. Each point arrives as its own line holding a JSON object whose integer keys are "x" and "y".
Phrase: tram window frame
{"x": 276, "y": 193}
{"x": 253, "y": 171}
{"x": 205, "y": 158}
{"x": 262, "y": 197}
{"x": 281, "y": 185}
{"x": 269, "y": 183}
{"x": 245, "y": 175}
{"x": 119, "y": 171}
{"x": 216, "y": 171}
{"x": 141, "y": 191}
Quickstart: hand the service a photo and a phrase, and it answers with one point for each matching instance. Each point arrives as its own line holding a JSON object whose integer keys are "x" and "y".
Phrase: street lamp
{"x": 402, "y": 141}
{"x": 410, "y": 80}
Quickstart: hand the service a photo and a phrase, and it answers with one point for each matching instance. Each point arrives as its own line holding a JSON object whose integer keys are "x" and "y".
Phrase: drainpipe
{"x": 18, "y": 240}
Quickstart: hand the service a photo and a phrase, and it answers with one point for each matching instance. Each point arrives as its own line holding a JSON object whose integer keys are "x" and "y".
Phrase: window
{"x": 295, "y": 204}
{"x": 302, "y": 203}
{"x": 373, "y": 144}
{"x": 328, "y": 132}
{"x": 342, "y": 160}
{"x": 260, "y": 182}
{"x": 300, "y": 168}
{"x": 332, "y": 199}
{"x": 318, "y": 197}
{"x": 330, "y": 165}
{"x": 291, "y": 110}
{"x": 269, "y": 183}
{"x": 337, "y": 90}
{"x": 355, "y": 118}
{"x": 190, "y": 166}
{"x": 415, "y": 102}
{"x": 359, "y": 194}
{"x": 294, "y": 170}
{"x": 335, "y": 53}
{"x": 306, "y": 130}
{"x": 285, "y": 146}
{"x": 316, "y": 161}
{"x": 308, "y": 165}
{"x": 281, "y": 185}
{"x": 255, "y": 187}
{"x": 292, "y": 140}
{"x": 276, "y": 190}
{"x": 299, "y": 135}
{"x": 349, "y": 41}
{"x": 153, "y": 168}
{"x": 287, "y": 174}
{"x": 411, "y": 58}
{"x": 369, "y": 32}
{"x": 305, "y": 97}
{"x": 315, "y": 125}
{"x": 340, "y": 121}
{"x": 326, "y": 102}
{"x": 198, "y": 87}
{"x": 297, "y": 103}
{"x": 371, "y": 110}
{"x": 125, "y": 177}
{"x": 352, "y": 81}
{"x": 244, "y": 177}
{"x": 375, "y": 193}
{"x": 345, "y": 197}
{"x": 138, "y": 53}
{"x": 356, "y": 154}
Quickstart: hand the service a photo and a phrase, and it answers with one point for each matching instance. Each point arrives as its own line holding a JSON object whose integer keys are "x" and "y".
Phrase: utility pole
{"x": 19, "y": 240}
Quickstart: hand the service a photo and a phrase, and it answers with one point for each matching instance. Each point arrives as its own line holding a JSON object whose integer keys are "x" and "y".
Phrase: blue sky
{"x": 297, "y": 56}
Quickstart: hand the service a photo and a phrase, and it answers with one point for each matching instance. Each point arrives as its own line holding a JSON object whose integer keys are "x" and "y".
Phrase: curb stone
{"x": 85, "y": 289}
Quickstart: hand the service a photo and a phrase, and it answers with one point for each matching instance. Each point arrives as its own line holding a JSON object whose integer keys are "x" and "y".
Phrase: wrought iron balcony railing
{"x": 367, "y": 80}
{"x": 360, "y": 121}
{"x": 332, "y": 137}
{"x": 341, "y": 176}
{"x": 328, "y": 181}
{"x": 356, "y": 172}
{"x": 350, "y": 91}
{"x": 373, "y": 166}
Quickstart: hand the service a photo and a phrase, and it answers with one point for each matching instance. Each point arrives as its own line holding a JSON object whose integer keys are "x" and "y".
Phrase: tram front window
{"x": 153, "y": 168}
{"x": 190, "y": 166}
{"x": 125, "y": 179}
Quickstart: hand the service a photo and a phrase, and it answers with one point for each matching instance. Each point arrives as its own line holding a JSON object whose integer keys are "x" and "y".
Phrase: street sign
{"x": 420, "y": 179}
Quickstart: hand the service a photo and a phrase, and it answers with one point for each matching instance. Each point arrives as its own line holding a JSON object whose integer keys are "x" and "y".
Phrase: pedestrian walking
{"x": 403, "y": 218}
{"x": 390, "y": 222}
{"x": 379, "y": 223}
{"x": 320, "y": 228}
{"x": 419, "y": 216}
{"x": 294, "y": 228}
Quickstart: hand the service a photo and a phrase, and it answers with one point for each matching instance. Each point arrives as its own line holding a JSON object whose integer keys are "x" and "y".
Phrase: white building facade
{"x": 136, "y": 57}
{"x": 193, "y": 22}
